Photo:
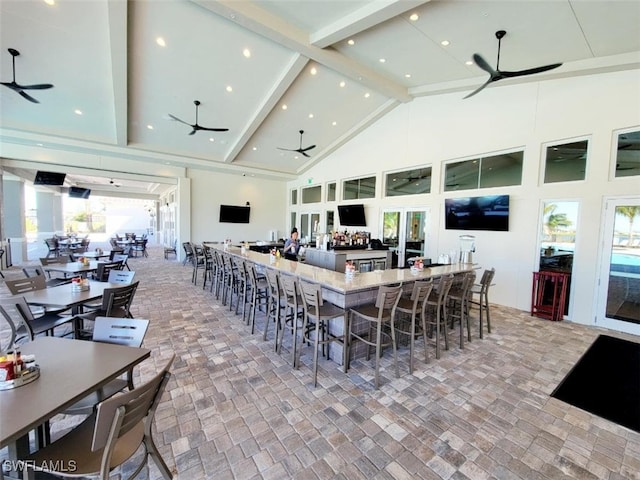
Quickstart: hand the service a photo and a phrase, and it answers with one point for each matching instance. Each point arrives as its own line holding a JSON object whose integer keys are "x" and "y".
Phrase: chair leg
{"x": 153, "y": 452}
{"x": 486, "y": 306}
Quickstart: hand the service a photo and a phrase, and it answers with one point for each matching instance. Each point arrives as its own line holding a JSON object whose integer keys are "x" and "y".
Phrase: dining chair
{"x": 52, "y": 246}
{"x": 119, "y": 331}
{"x": 28, "y": 325}
{"x": 120, "y": 276}
{"x": 1, "y": 255}
{"x": 104, "y": 268}
{"x": 413, "y": 307}
{"x": 317, "y": 319}
{"x": 115, "y": 256}
{"x": 109, "y": 437}
{"x": 172, "y": 250}
{"x": 9, "y": 336}
{"x": 377, "y": 316}
{"x": 116, "y": 302}
{"x": 29, "y": 284}
{"x": 49, "y": 282}
{"x": 188, "y": 252}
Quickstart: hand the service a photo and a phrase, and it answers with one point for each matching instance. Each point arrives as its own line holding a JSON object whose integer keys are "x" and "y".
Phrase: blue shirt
{"x": 289, "y": 242}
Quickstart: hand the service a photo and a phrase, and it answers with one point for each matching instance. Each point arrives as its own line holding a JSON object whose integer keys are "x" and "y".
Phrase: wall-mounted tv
{"x": 234, "y": 214}
{"x": 352, "y": 215}
{"x": 49, "y": 178}
{"x": 77, "y": 192}
{"x": 490, "y": 212}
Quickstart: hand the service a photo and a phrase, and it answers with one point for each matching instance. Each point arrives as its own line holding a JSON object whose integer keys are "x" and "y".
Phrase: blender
{"x": 467, "y": 247}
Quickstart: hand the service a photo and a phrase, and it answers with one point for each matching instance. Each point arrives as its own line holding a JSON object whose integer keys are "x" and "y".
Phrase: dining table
{"x": 95, "y": 255}
{"x": 73, "y": 268}
{"x": 66, "y": 296}
{"x": 69, "y": 370}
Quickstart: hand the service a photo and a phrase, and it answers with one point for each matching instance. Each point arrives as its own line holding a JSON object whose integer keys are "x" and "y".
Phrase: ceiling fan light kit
{"x": 497, "y": 74}
{"x": 300, "y": 150}
{"x": 20, "y": 89}
{"x": 195, "y": 126}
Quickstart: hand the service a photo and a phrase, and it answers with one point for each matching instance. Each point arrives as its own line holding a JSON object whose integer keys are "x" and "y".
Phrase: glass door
{"x": 557, "y": 244}
{"x": 619, "y": 284}
{"x": 404, "y": 231}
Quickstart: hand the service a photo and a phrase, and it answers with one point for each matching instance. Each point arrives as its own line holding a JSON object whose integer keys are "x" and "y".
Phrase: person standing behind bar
{"x": 291, "y": 246}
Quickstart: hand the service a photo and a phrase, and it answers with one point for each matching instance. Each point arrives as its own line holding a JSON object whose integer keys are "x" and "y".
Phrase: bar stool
{"x": 458, "y": 303}
{"x": 198, "y": 262}
{"x": 482, "y": 300}
{"x": 414, "y": 306}
{"x": 377, "y": 315}
{"x": 239, "y": 273}
{"x": 317, "y": 318}
{"x": 294, "y": 312}
{"x": 436, "y": 311}
{"x": 276, "y": 304}
{"x": 258, "y": 294}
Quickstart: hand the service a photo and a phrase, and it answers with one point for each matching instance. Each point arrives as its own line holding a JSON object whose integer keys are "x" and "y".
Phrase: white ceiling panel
{"x": 103, "y": 59}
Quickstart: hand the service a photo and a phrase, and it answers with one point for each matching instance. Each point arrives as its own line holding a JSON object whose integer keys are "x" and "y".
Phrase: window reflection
{"x": 566, "y": 162}
{"x": 628, "y": 154}
{"x": 409, "y": 182}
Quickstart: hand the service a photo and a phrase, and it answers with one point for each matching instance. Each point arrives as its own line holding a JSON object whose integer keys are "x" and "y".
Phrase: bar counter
{"x": 338, "y": 288}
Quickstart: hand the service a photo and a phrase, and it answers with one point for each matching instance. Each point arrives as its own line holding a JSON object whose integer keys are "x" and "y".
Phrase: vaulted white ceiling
{"x": 245, "y": 60}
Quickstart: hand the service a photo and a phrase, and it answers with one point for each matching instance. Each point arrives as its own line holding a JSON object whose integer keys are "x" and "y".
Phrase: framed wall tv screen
{"x": 489, "y": 212}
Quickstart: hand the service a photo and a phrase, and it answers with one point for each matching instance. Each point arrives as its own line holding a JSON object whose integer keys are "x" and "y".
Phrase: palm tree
{"x": 631, "y": 213}
{"x": 554, "y": 221}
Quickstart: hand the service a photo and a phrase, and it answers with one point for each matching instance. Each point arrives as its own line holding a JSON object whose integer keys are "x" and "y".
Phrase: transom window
{"x": 408, "y": 182}
{"x": 500, "y": 170}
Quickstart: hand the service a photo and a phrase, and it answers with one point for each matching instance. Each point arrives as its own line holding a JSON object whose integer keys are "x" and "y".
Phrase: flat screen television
{"x": 490, "y": 212}
{"x": 77, "y": 192}
{"x": 49, "y": 178}
{"x": 352, "y": 215}
{"x": 234, "y": 214}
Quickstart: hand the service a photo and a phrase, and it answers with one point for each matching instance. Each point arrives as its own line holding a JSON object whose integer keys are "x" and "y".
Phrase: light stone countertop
{"x": 340, "y": 282}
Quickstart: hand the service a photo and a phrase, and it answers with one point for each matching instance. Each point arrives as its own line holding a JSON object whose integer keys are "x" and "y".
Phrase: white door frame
{"x": 606, "y": 242}
{"x": 402, "y": 227}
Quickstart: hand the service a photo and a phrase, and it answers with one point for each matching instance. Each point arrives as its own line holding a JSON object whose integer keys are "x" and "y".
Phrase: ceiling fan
{"x": 497, "y": 74}
{"x": 301, "y": 150}
{"x": 195, "y": 126}
{"x": 20, "y": 89}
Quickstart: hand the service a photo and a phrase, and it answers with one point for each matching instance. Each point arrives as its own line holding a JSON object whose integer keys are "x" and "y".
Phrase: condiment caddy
{"x": 17, "y": 370}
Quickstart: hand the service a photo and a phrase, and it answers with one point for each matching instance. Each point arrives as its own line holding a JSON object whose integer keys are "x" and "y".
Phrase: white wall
{"x": 209, "y": 190}
{"x": 433, "y": 130}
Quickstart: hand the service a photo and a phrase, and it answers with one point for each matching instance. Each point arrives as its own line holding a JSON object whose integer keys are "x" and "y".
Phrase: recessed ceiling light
{"x": 468, "y": 62}
{"x": 247, "y": 53}
{"x": 39, "y": 144}
{"x": 211, "y": 139}
{"x": 414, "y": 17}
{"x": 382, "y": 60}
{"x": 229, "y": 88}
{"x": 255, "y": 148}
{"x": 167, "y": 163}
{"x": 407, "y": 75}
{"x": 160, "y": 41}
{"x": 367, "y": 95}
{"x": 284, "y": 106}
{"x": 395, "y": 179}
{"x": 334, "y": 123}
{"x": 313, "y": 70}
{"x": 311, "y": 115}
{"x": 295, "y": 157}
{"x": 77, "y": 111}
{"x": 150, "y": 127}
{"x": 444, "y": 43}
{"x": 50, "y": 2}
{"x": 343, "y": 83}
{"x": 351, "y": 41}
